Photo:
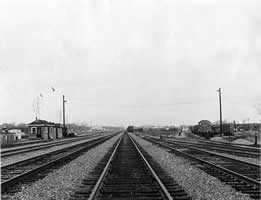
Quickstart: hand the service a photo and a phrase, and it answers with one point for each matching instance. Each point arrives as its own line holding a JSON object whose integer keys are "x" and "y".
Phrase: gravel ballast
{"x": 197, "y": 183}
{"x": 245, "y": 159}
{"x": 60, "y": 183}
{"x": 22, "y": 156}
{"x": 39, "y": 142}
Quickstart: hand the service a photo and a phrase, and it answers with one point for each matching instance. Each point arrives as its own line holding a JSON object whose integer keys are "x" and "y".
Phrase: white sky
{"x": 122, "y": 62}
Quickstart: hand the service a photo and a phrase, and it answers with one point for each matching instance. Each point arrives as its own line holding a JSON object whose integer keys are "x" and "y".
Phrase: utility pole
{"x": 59, "y": 116}
{"x": 64, "y": 127}
{"x": 220, "y": 112}
{"x": 38, "y": 109}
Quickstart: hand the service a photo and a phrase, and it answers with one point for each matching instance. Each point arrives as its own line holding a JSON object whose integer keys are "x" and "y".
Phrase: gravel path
{"x": 197, "y": 183}
{"x": 19, "y": 157}
{"x": 59, "y": 184}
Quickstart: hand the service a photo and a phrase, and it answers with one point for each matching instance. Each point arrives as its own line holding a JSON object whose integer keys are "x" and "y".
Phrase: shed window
{"x": 33, "y": 130}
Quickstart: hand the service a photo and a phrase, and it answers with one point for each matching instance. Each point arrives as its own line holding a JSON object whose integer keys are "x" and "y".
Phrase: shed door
{"x": 38, "y": 134}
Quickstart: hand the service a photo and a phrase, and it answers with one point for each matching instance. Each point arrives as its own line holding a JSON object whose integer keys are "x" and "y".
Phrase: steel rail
{"x": 236, "y": 145}
{"x": 223, "y": 156}
{"x": 49, "y": 153}
{"x": 213, "y": 153}
{"x": 218, "y": 147}
{"x": 33, "y": 148}
{"x": 214, "y": 143}
{"x": 247, "y": 179}
{"x": 14, "y": 151}
{"x": 21, "y": 144}
{"x": 98, "y": 185}
{"x": 17, "y": 178}
{"x": 163, "y": 188}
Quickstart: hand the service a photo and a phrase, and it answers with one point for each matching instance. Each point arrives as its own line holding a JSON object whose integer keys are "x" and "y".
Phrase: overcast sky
{"x": 121, "y": 62}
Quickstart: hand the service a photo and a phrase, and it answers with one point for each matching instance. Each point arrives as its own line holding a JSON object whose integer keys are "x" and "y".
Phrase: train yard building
{"x": 44, "y": 129}
{"x": 11, "y": 135}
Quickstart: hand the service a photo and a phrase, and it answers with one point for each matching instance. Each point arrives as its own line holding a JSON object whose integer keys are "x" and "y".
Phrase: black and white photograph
{"x": 130, "y": 99}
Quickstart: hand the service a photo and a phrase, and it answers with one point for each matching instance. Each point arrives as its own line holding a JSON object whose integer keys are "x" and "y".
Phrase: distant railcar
{"x": 139, "y": 129}
{"x": 130, "y": 129}
{"x": 227, "y": 129}
{"x": 204, "y": 129}
{"x": 204, "y": 126}
{"x": 208, "y": 130}
{"x": 194, "y": 129}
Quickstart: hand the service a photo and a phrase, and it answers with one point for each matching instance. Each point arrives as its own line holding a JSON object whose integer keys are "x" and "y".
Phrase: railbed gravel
{"x": 39, "y": 142}
{"x": 245, "y": 159}
{"x": 197, "y": 183}
{"x": 59, "y": 184}
{"x": 22, "y": 156}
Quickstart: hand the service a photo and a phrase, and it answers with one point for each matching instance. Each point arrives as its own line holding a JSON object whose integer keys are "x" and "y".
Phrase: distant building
{"x": 7, "y": 138}
{"x": 10, "y": 135}
{"x": 249, "y": 126}
{"x": 44, "y": 129}
{"x": 18, "y": 133}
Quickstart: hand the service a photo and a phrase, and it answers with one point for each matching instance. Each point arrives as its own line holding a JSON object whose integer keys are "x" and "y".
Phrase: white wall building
{"x": 18, "y": 133}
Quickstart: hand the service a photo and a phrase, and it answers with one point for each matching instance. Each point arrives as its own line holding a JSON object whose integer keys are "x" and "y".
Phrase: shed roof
{"x": 41, "y": 122}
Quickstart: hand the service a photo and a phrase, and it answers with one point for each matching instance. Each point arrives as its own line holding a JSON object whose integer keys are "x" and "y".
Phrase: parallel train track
{"x": 20, "y": 150}
{"x": 15, "y": 151}
{"x": 237, "y": 150}
{"x": 243, "y": 176}
{"x": 233, "y": 149}
{"x": 127, "y": 172}
{"x": 29, "y": 170}
{"x": 19, "y": 144}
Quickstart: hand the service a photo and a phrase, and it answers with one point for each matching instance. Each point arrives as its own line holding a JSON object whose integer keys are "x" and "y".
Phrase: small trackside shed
{"x": 44, "y": 129}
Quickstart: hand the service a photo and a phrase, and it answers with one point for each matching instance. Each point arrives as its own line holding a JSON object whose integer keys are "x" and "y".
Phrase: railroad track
{"x": 237, "y": 150}
{"x": 232, "y": 144}
{"x": 243, "y": 176}
{"x": 15, "y": 151}
{"x": 231, "y": 149}
{"x": 29, "y": 170}
{"x": 19, "y": 144}
{"x": 127, "y": 172}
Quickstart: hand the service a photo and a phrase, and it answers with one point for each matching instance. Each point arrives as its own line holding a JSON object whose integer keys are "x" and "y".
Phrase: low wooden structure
{"x": 7, "y": 138}
{"x": 45, "y": 130}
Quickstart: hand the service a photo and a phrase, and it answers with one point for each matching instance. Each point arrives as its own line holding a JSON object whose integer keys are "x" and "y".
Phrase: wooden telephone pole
{"x": 220, "y": 112}
{"x": 64, "y": 127}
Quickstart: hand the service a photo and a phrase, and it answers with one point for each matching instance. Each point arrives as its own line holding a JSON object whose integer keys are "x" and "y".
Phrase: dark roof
{"x": 39, "y": 121}
{"x": 58, "y": 125}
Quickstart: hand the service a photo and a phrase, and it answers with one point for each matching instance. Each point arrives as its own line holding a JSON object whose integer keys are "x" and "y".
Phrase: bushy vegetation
{"x": 78, "y": 128}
